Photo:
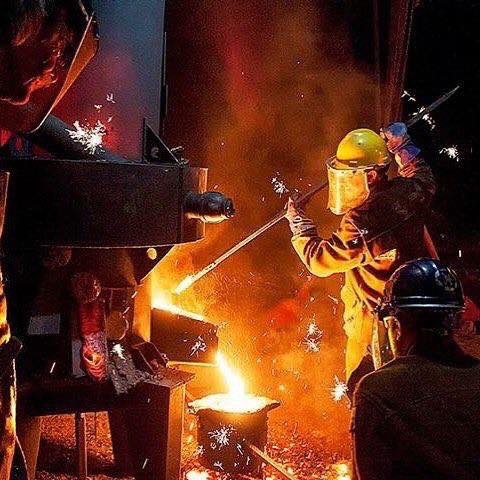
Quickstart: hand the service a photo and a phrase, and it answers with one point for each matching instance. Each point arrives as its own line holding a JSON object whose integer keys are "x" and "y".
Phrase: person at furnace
{"x": 382, "y": 226}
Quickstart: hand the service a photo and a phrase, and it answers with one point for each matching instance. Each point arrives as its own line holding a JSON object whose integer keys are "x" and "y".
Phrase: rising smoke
{"x": 262, "y": 89}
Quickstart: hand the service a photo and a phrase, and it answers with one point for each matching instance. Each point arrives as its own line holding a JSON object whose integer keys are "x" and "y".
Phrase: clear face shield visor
{"x": 347, "y": 187}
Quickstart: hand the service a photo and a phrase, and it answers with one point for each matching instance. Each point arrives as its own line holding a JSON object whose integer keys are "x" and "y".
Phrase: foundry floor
{"x": 304, "y": 455}
{"x": 304, "y": 452}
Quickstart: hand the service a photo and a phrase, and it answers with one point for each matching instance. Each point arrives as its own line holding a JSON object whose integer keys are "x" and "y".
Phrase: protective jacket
{"x": 370, "y": 243}
{"x": 418, "y": 419}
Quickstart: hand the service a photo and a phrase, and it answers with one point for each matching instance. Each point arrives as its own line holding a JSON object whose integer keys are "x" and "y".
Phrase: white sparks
{"x": 312, "y": 344}
{"x": 98, "y": 107}
{"x": 118, "y": 350}
{"x": 427, "y": 118}
{"x": 313, "y": 329}
{"x": 279, "y": 186}
{"x": 198, "y": 346}
{"x": 52, "y": 367}
{"x": 110, "y": 98}
{"x": 218, "y": 465}
{"x": 221, "y": 436}
{"x": 240, "y": 449}
{"x": 145, "y": 463}
{"x": 451, "y": 152}
{"x": 90, "y": 137}
{"x": 409, "y": 97}
{"x": 459, "y": 254}
{"x": 339, "y": 390}
{"x": 313, "y": 338}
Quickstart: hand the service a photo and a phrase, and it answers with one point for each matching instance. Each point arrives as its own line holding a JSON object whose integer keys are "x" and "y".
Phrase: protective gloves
{"x": 399, "y": 143}
{"x": 298, "y": 221}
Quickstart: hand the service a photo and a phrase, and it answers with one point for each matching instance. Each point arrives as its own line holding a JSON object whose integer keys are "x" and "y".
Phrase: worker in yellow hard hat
{"x": 382, "y": 226}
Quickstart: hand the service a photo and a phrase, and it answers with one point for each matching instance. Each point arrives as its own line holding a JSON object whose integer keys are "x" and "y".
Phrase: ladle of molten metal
{"x": 188, "y": 281}
{"x": 232, "y": 428}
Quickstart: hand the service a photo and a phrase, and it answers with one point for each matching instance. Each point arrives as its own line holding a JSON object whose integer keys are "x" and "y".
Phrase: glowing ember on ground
{"x": 162, "y": 304}
{"x": 184, "y": 284}
{"x": 197, "y": 475}
{"x": 451, "y": 152}
{"x": 90, "y": 137}
{"x": 339, "y": 390}
{"x": 279, "y": 186}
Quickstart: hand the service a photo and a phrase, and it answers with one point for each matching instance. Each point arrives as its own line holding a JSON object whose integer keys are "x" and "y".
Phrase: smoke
{"x": 262, "y": 89}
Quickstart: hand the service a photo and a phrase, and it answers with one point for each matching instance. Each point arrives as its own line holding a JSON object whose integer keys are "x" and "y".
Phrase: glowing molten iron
{"x": 236, "y": 400}
{"x": 162, "y": 304}
{"x": 184, "y": 284}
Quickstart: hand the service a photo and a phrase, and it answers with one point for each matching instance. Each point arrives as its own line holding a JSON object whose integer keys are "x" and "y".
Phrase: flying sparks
{"x": 198, "y": 346}
{"x": 451, "y": 152}
{"x": 118, "y": 350}
{"x": 279, "y": 186}
{"x": 313, "y": 338}
{"x": 427, "y": 118}
{"x": 339, "y": 390}
{"x": 408, "y": 96}
{"x": 90, "y": 137}
{"x": 221, "y": 436}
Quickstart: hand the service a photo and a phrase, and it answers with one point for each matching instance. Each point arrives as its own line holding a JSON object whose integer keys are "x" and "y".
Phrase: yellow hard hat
{"x": 361, "y": 148}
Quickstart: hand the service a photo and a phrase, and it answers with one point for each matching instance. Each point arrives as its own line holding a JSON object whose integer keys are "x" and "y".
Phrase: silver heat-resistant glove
{"x": 299, "y": 223}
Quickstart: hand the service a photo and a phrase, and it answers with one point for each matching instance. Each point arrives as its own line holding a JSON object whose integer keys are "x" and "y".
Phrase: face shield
{"x": 347, "y": 187}
{"x": 36, "y": 72}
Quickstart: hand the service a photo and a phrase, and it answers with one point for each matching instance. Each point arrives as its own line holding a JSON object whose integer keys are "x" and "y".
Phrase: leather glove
{"x": 399, "y": 143}
{"x": 299, "y": 223}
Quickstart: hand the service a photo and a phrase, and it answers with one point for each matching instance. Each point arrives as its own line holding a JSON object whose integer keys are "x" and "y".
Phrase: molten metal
{"x": 236, "y": 400}
{"x": 162, "y": 304}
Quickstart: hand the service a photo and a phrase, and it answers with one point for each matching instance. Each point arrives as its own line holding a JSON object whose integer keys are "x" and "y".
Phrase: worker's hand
{"x": 298, "y": 221}
{"x": 399, "y": 143}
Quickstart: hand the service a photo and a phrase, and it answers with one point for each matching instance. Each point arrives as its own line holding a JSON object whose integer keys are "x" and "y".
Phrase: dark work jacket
{"x": 418, "y": 419}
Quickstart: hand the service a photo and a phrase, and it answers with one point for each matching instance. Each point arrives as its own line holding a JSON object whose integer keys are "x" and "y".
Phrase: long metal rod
{"x": 270, "y": 461}
{"x": 190, "y": 280}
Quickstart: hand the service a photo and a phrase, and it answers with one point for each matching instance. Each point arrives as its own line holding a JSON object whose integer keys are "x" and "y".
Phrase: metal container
{"x": 223, "y": 438}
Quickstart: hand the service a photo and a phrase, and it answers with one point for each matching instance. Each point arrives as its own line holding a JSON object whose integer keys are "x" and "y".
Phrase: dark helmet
{"x": 423, "y": 284}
